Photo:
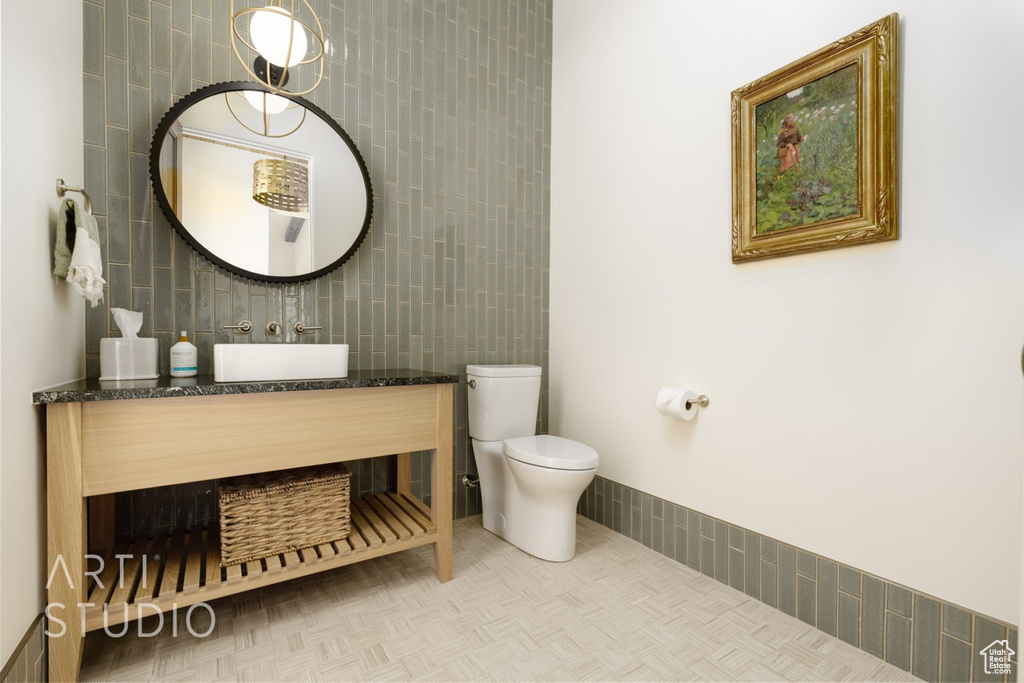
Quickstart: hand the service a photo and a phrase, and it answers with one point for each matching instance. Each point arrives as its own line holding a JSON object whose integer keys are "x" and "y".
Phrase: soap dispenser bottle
{"x": 184, "y": 358}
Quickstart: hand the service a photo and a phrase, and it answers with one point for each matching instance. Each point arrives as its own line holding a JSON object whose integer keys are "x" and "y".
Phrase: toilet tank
{"x": 503, "y": 402}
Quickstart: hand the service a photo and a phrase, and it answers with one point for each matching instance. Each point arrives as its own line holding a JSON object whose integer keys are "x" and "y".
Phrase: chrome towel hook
{"x": 62, "y": 188}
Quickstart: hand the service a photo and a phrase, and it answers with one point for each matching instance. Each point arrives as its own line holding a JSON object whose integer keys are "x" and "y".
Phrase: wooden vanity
{"x": 119, "y": 436}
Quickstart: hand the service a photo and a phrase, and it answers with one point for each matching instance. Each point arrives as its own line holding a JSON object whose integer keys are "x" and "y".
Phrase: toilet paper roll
{"x": 677, "y": 403}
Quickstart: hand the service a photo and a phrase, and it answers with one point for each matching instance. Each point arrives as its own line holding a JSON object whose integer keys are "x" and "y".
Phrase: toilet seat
{"x": 552, "y": 452}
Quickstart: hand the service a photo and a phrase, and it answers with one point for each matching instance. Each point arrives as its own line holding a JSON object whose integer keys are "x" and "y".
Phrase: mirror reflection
{"x": 267, "y": 187}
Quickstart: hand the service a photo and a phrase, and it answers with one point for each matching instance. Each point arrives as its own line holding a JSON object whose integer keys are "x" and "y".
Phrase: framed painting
{"x": 814, "y": 150}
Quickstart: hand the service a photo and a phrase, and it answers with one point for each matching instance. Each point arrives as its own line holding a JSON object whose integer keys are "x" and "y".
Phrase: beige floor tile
{"x": 617, "y": 612}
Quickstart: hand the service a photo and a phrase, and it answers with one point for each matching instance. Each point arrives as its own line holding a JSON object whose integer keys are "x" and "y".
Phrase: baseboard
{"x": 28, "y": 661}
{"x": 929, "y": 637}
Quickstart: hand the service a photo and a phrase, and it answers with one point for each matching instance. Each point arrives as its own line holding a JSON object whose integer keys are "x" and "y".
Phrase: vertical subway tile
{"x": 181, "y": 12}
{"x": 646, "y": 519}
{"x": 752, "y": 569}
{"x": 925, "y": 660}
{"x": 872, "y": 627}
{"x": 95, "y": 118}
{"x": 183, "y": 312}
{"x": 120, "y": 284}
{"x": 849, "y": 581}
{"x": 806, "y": 610}
{"x": 140, "y": 131}
{"x": 735, "y": 537}
{"x": 828, "y": 577}
{"x": 141, "y": 196}
{"x": 204, "y": 301}
{"x": 669, "y": 530}
{"x": 787, "y": 580}
{"x": 897, "y": 640}
{"x": 693, "y": 540}
{"x": 118, "y": 230}
{"x": 138, "y": 9}
{"x": 722, "y": 551}
{"x": 142, "y": 253}
{"x": 181, "y": 63}
{"x": 707, "y": 526}
{"x": 117, "y": 163}
{"x": 96, "y": 175}
{"x": 985, "y": 633}
{"x": 899, "y": 600}
{"x": 138, "y": 54}
{"x": 182, "y": 262}
{"x": 707, "y": 556}
{"x": 806, "y": 564}
{"x": 201, "y": 49}
{"x": 849, "y": 619}
{"x": 92, "y": 53}
{"x": 116, "y": 23}
{"x": 682, "y": 545}
{"x": 770, "y": 584}
{"x": 956, "y": 622}
{"x": 769, "y": 550}
{"x": 736, "y": 573}
{"x": 163, "y": 300}
{"x": 160, "y": 37}
{"x": 117, "y": 92}
{"x": 956, "y": 660}
{"x": 657, "y": 534}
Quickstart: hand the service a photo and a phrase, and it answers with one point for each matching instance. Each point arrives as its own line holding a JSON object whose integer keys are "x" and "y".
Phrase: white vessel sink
{"x": 274, "y": 362}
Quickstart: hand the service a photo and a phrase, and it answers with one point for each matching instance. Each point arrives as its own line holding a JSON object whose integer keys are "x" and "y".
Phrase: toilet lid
{"x": 551, "y": 451}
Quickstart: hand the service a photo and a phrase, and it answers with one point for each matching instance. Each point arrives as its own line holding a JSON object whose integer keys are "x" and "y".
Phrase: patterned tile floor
{"x": 617, "y": 612}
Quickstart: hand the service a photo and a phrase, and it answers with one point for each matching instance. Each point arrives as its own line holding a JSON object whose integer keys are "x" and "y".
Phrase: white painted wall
{"x": 866, "y": 403}
{"x": 42, "y": 321}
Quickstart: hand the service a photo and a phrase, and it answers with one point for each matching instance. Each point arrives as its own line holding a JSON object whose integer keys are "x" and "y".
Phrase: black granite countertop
{"x": 92, "y": 389}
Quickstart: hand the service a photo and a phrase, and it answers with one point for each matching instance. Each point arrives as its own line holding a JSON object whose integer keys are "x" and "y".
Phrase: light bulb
{"x": 269, "y": 31}
{"x": 274, "y": 104}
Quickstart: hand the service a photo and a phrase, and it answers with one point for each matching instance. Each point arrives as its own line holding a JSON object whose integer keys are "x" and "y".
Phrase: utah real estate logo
{"x": 997, "y": 657}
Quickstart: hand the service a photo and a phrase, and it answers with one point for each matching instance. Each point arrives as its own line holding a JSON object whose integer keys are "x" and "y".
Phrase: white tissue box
{"x": 128, "y": 358}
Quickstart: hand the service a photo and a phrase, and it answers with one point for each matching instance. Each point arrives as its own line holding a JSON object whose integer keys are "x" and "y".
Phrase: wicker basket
{"x": 275, "y": 512}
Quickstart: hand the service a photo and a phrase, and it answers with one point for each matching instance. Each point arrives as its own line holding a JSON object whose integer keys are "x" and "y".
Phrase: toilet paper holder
{"x": 703, "y": 401}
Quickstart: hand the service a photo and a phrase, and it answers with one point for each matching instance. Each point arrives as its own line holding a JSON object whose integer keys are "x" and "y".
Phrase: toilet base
{"x": 531, "y": 507}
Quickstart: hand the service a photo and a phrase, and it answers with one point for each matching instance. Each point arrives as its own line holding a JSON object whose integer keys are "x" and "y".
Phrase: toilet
{"x": 529, "y": 485}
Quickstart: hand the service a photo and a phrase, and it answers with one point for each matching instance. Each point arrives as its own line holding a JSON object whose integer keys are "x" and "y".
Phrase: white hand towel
{"x": 86, "y": 269}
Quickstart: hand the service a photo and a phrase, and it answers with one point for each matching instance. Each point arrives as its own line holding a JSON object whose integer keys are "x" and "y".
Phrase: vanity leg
{"x": 441, "y": 484}
{"x": 65, "y": 538}
{"x": 405, "y": 473}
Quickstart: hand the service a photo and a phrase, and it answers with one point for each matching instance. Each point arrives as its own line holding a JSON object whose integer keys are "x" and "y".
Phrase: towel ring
{"x": 62, "y": 188}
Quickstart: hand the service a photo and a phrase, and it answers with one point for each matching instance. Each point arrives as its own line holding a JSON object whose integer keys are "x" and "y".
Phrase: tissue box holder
{"x": 275, "y": 512}
{"x": 128, "y": 358}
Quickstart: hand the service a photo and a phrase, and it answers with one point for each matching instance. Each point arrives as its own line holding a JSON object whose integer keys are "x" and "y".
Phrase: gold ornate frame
{"x": 873, "y": 49}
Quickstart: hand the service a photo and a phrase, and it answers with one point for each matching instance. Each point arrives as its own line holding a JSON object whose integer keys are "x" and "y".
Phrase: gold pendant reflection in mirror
{"x": 281, "y": 184}
{"x": 301, "y": 17}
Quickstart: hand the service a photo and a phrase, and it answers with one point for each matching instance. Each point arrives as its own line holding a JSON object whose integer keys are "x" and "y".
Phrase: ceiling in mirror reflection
{"x": 278, "y": 207}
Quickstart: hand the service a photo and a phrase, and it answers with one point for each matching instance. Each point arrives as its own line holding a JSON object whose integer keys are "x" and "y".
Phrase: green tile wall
{"x": 27, "y": 664}
{"x": 933, "y": 640}
{"x": 449, "y": 103}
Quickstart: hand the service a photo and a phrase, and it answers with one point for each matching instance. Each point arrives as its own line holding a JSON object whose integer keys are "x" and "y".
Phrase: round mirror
{"x": 270, "y": 188}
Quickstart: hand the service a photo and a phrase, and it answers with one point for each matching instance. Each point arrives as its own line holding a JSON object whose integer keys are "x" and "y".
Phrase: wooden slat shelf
{"x": 188, "y": 570}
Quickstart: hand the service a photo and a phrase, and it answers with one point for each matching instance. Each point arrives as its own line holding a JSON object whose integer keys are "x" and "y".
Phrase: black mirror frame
{"x": 206, "y": 92}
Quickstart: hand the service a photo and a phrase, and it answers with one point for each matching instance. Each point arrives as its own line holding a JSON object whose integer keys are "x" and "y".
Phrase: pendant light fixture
{"x": 281, "y": 39}
{"x": 281, "y": 184}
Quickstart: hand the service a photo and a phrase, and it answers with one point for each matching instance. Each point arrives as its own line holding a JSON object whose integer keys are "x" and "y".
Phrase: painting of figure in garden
{"x": 807, "y": 154}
